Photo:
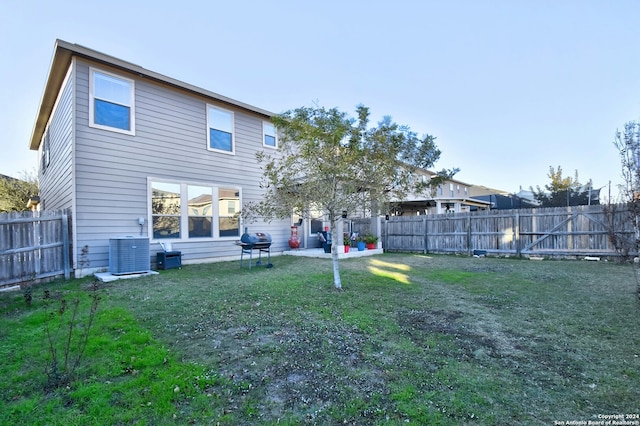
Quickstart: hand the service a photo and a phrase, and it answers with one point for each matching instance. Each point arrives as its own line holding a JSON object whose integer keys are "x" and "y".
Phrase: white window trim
{"x": 264, "y": 133}
{"x": 184, "y": 213}
{"x": 132, "y": 103}
{"x": 233, "y": 131}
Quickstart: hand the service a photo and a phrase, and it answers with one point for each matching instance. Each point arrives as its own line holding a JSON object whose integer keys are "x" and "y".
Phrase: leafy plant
{"x": 370, "y": 239}
{"x": 84, "y": 260}
{"x": 27, "y": 290}
{"x": 65, "y": 343}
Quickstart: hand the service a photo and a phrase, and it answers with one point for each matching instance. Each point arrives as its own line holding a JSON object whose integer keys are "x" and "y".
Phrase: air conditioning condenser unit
{"x": 129, "y": 255}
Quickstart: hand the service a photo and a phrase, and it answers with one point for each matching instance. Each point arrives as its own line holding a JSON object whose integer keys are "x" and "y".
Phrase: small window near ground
{"x": 111, "y": 102}
{"x": 220, "y": 129}
{"x": 269, "y": 135}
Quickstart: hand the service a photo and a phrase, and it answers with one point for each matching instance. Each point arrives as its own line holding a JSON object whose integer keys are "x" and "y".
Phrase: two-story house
{"x": 129, "y": 151}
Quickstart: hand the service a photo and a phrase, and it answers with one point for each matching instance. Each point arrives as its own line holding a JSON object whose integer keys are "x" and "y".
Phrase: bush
{"x": 370, "y": 239}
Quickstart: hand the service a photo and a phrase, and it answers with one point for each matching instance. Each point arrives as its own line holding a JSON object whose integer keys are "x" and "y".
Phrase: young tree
{"x": 562, "y": 191}
{"x": 334, "y": 162}
{"x": 15, "y": 193}
{"x": 627, "y": 143}
{"x": 621, "y": 221}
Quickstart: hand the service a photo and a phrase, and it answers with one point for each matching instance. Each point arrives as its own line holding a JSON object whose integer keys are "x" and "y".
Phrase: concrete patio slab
{"x": 107, "y": 277}
{"x": 319, "y": 253}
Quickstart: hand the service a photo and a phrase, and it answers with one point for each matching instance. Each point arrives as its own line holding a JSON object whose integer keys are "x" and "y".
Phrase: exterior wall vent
{"x": 129, "y": 255}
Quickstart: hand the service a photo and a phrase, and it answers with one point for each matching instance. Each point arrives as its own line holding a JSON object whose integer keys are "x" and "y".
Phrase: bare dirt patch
{"x": 309, "y": 367}
{"x": 486, "y": 344}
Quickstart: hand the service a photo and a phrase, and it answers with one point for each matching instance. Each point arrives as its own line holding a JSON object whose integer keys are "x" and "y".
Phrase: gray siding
{"x": 170, "y": 143}
{"x": 56, "y": 182}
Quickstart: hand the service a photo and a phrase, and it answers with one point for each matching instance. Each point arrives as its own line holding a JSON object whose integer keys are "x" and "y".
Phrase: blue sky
{"x": 509, "y": 88}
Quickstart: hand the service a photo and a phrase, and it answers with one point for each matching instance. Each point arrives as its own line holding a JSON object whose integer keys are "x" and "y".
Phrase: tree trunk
{"x": 336, "y": 271}
{"x": 337, "y": 283}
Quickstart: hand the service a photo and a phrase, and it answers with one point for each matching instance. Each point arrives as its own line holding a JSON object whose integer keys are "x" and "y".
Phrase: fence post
{"x": 36, "y": 243}
{"x": 384, "y": 237}
{"x": 516, "y": 232}
{"x": 469, "y": 233}
{"x": 569, "y": 229}
{"x": 426, "y": 240}
{"x": 65, "y": 246}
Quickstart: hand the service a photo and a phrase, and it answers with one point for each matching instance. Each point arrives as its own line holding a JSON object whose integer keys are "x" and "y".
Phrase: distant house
{"x": 129, "y": 151}
{"x": 453, "y": 196}
{"x": 527, "y": 195}
{"x": 502, "y": 200}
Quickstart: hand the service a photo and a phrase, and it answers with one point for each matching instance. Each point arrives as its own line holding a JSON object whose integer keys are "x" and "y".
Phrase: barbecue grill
{"x": 260, "y": 241}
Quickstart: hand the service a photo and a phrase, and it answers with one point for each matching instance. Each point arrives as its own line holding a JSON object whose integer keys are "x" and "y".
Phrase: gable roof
{"x": 452, "y": 180}
{"x": 65, "y": 51}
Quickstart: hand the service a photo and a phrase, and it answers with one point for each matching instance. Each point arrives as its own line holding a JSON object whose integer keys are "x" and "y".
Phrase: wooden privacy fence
{"x": 558, "y": 231}
{"x": 33, "y": 246}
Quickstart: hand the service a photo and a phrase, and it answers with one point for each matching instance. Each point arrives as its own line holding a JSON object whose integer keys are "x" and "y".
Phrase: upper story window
{"x": 269, "y": 135}
{"x": 220, "y": 129}
{"x": 111, "y": 102}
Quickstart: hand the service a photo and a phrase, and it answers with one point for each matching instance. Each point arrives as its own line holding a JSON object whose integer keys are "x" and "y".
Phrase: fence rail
{"x": 33, "y": 246}
{"x": 559, "y": 231}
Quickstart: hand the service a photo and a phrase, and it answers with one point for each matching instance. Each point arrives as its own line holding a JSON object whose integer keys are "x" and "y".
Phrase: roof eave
{"x": 57, "y": 71}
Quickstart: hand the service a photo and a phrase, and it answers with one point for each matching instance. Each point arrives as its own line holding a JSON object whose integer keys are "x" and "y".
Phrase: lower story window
{"x": 200, "y": 211}
{"x": 188, "y": 211}
{"x": 165, "y": 210}
{"x": 229, "y": 212}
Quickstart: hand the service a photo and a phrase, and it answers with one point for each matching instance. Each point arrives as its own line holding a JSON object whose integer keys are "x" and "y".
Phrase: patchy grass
{"x": 418, "y": 339}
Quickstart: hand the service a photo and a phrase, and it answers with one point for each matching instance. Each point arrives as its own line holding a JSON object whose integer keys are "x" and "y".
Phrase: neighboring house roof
{"x": 447, "y": 200}
{"x": 505, "y": 202}
{"x": 65, "y": 51}
{"x": 478, "y": 190}
{"x": 527, "y": 195}
{"x": 422, "y": 198}
{"x": 431, "y": 173}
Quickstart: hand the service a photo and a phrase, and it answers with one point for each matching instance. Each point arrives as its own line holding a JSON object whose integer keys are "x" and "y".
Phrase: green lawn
{"x": 411, "y": 339}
